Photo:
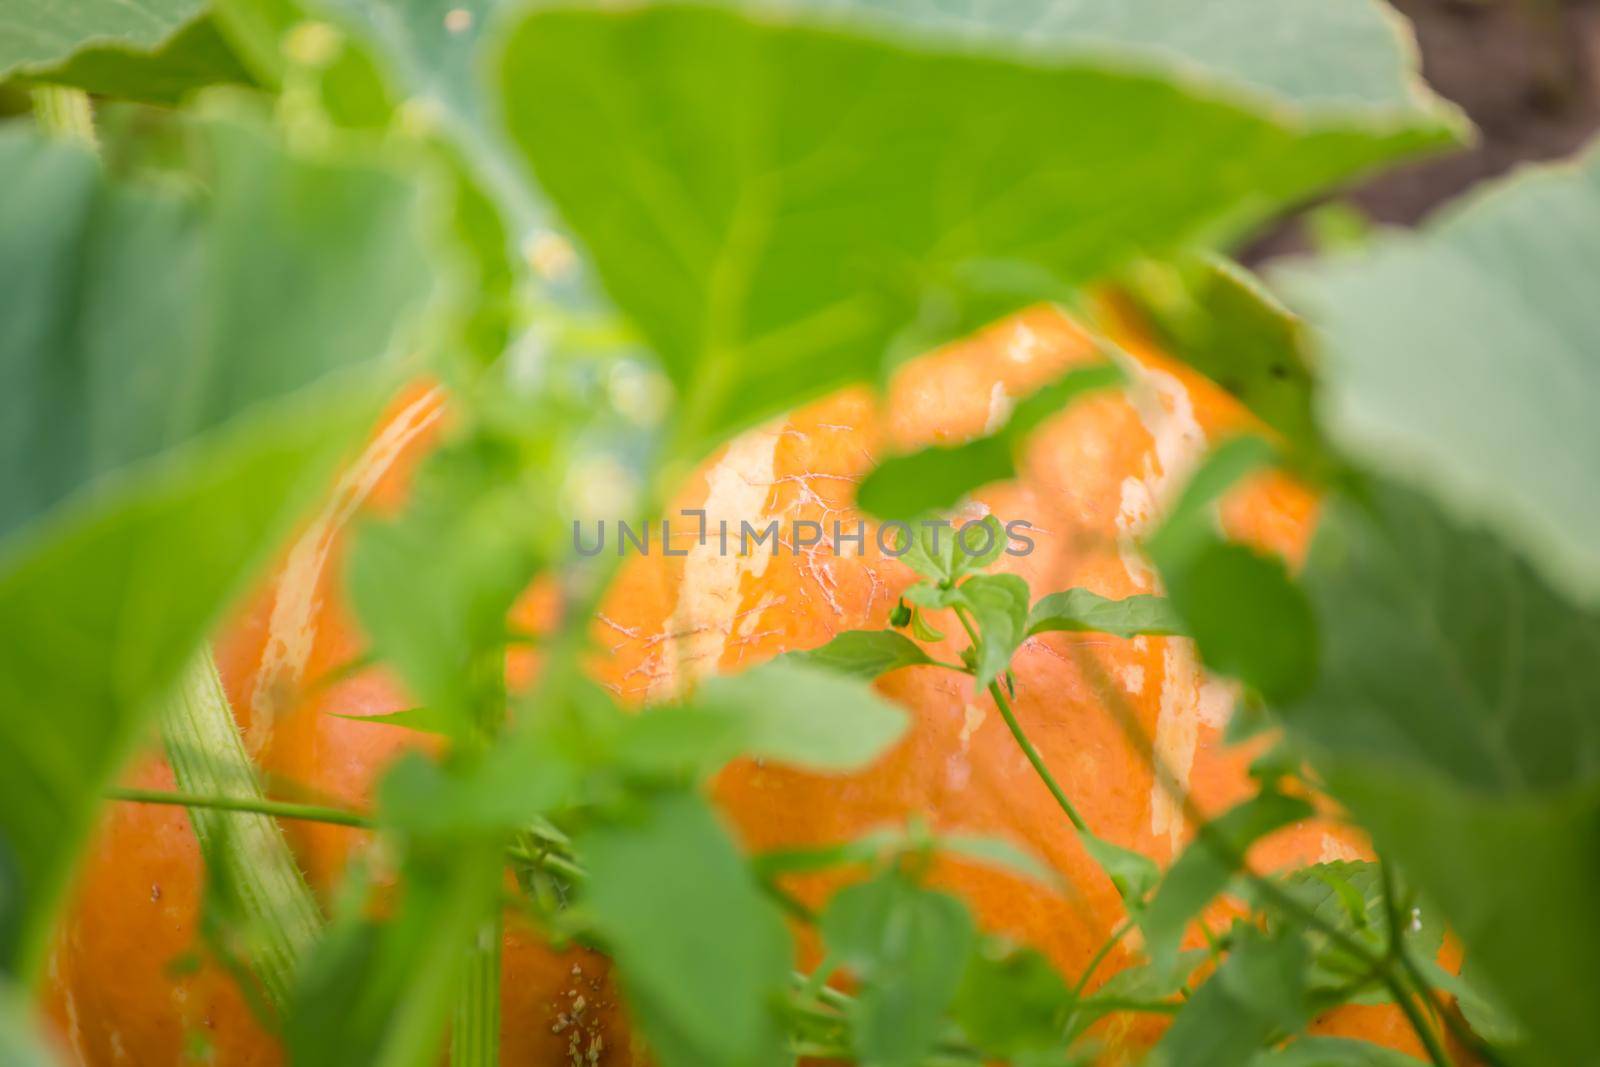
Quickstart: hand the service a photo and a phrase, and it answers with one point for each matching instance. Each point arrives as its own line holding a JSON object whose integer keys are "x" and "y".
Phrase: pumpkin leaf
{"x": 725, "y": 169}
{"x": 1133, "y": 873}
{"x": 703, "y": 955}
{"x": 39, "y": 36}
{"x": 1485, "y": 311}
{"x": 863, "y": 654}
{"x": 184, "y": 373}
{"x": 1455, "y": 718}
{"x": 1080, "y": 610}
{"x": 908, "y": 945}
{"x": 805, "y": 716}
{"x": 194, "y": 56}
{"x": 1258, "y": 991}
{"x": 1011, "y": 1000}
{"x": 1203, "y": 870}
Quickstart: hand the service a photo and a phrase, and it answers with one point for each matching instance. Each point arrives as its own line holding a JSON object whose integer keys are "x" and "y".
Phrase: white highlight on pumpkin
{"x": 975, "y": 714}
{"x": 1177, "y": 442}
{"x": 292, "y": 629}
{"x": 1000, "y": 405}
{"x": 738, "y": 487}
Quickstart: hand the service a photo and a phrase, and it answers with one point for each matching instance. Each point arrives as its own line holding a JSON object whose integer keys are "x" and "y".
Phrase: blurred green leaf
{"x": 863, "y": 654}
{"x": 740, "y": 178}
{"x": 1462, "y": 361}
{"x": 1133, "y": 873}
{"x": 1456, "y": 718}
{"x": 804, "y": 715}
{"x": 434, "y": 586}
{"x": 935, "y": 479}
{"x": 167, "y": 366}
{"x": 37, "y": 36}
{"x": 1151, "y": 980}
{"x": 1079, "y": 610}
{"x": 1218, "y": 317}
{"x": 1190, "y": 526}
{"x": 1248, "y": 617}
{"x": 1333, "y": 1052}
{"x": 999, "y": 606}
{"x": 1256, "y": 993}
{"x": 703, "y": 955}
{"x": 1204, "y": 868}
{"x": 909, "y": 946}
{"x": 195, "y": 56}
{"x": 379, "y": 994}
{"x": 1011, "y": 1000}
{"x": 20, "y": 1045}
{"x": 1250, "y": 620}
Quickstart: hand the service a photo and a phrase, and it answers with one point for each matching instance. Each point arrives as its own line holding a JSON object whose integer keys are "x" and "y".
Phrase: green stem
{"x": 475, "y": 1035}
{"x": 238, "y": 839}
{"x": 1266, "y": 888}
{"x": 1100, "y": 957}
{"x": 276, "y": 808}
{"x": 65, "y": 114}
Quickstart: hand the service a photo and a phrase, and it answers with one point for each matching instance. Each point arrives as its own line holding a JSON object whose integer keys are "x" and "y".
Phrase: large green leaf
{"x": 1466, "y": 360}
{"x": 38, "y": 35}
{"x": 776, "y": 195}
{"x": 195, "y": 55}
{"x": 167, "y": 376}
{"x": 1457, "y": 715}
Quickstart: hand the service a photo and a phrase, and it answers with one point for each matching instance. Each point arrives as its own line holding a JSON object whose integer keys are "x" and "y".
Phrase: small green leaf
{"x": 1011, "y": 1000}
{"x": 999, "y": 607}
{"x": 1151, "y": 980}
{"x": 1081, "y": 610}
{"x": 908, "y": 945}
{"x": 1204, "y": 868}
{"x": 1256, "y": 993}
{"x": 862, "y": 654}
{"x": 703, "y": 955}
{"x": 1002, "y": 854}
{"x": 514, "y": 782}
{"x": 804, "y": 715}
{"x": 1133, "y": 873}
{"x": 423, "y": 720}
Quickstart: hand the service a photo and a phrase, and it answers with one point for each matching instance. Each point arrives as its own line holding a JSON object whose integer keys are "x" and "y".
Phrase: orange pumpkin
{"x": 1092, "y": 481}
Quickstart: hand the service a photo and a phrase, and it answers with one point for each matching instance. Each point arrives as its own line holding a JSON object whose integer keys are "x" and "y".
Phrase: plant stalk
{"x": 244, "y": 849}
{"x": 65, "y": 114}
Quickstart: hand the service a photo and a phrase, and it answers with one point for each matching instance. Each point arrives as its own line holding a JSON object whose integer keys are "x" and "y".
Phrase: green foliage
{"x": 703, "y": 955}
{"x": 864, "y": 653}
{"x": 169, "y": 368}
{"x": 740, "y": 180}
{"x": 1455, "y": 717}
{"x": 768, "y": 201}
{"x": 1205, "y": 866}
{"x": 1461, "y": 360}
{"x": 908, "y": 946}
{"x": 39, "y": 36}
{"x": 1078, "y": 610}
